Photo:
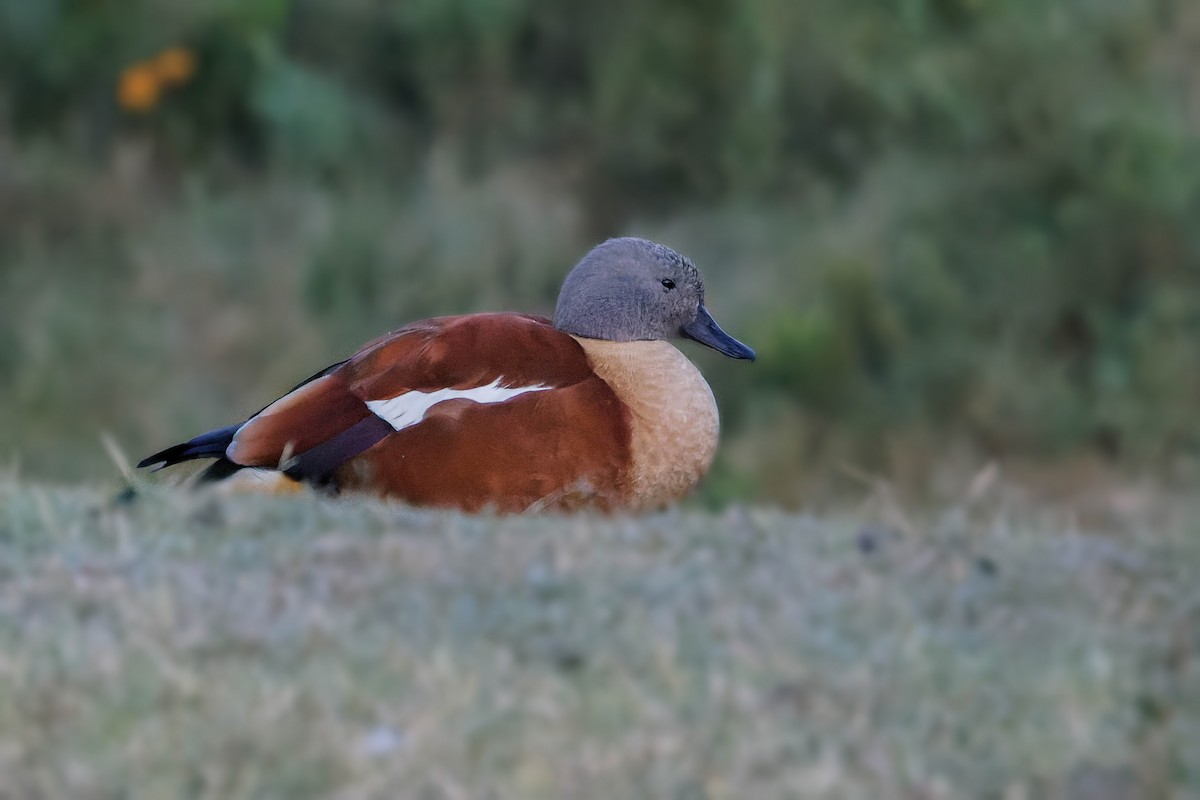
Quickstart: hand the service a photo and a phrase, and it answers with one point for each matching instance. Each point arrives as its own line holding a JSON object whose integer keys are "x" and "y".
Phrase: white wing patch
{"x": 410, "y": 408}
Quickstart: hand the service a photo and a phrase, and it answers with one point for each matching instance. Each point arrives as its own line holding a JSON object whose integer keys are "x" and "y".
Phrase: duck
{"x": 507, "y": 412}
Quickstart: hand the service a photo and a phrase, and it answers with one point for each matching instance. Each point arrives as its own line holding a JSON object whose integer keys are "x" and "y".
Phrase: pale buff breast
{"x": 673, "y": 416}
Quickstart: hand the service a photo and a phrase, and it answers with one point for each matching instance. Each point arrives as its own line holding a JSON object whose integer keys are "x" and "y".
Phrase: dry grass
{"x": 168, "y": 644}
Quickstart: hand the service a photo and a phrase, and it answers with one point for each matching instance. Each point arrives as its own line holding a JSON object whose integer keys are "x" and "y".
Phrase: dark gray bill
{"x": 705, "y": 330}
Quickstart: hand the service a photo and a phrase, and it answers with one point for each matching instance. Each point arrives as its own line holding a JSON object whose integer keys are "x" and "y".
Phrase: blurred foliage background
{"x": 956, "y": 230}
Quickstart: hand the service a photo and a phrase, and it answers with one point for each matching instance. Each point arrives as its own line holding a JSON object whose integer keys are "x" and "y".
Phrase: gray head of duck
{"x": 630, "y": 289}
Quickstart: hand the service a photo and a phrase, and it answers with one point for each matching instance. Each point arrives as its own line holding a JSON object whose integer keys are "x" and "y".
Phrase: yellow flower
{"x": 175, "y": 66}
{"x": 141, "y": 85}
{"x": 138, "y": 89}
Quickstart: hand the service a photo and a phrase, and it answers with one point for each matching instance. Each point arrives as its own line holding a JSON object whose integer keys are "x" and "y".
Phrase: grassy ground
{"x": 170, "y": 644}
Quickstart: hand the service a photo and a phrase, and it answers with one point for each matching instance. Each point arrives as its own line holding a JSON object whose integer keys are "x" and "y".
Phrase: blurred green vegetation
{"x": 948, "y": 225}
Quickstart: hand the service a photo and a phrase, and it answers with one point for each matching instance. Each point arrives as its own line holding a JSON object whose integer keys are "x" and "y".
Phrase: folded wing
{"x": 498, "y": 410}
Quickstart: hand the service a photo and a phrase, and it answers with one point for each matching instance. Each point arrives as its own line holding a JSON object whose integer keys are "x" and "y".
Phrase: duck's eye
{"x": 668, "y": 284}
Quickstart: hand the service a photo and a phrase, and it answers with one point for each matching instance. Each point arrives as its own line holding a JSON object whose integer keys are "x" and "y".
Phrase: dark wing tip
{"x": 207, "y": 445}
{"x": 164, "y": 458}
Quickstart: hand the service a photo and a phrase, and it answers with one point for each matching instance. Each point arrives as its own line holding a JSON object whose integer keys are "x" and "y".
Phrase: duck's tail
{"x": 207, "y": 445}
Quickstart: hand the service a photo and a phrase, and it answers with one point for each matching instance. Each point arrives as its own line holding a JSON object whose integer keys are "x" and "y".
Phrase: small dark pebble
{"x": 873, "y": 537}
{"x": 987, "y": 566}
{"x": 570, "y": 660}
